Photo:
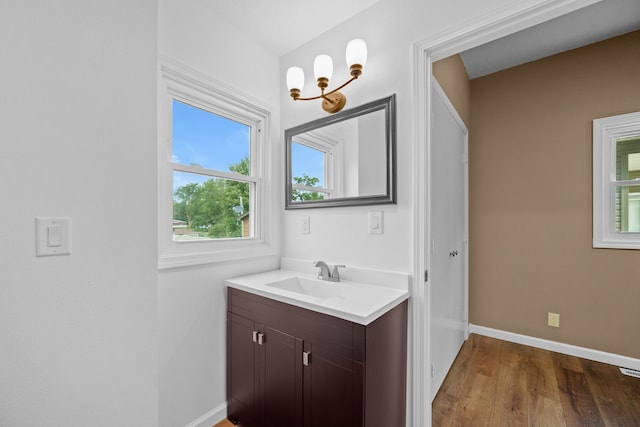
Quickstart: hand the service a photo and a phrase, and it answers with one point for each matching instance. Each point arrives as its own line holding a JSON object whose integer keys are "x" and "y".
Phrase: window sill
{"x": 617, "y": 244}
{"x": 227, "y": 255}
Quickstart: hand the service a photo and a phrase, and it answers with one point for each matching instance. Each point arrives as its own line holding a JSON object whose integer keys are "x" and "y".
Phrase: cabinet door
{"x": 241, "y": 371}
{"x": 281, "y": 376}
{"x": 333, "y": 390}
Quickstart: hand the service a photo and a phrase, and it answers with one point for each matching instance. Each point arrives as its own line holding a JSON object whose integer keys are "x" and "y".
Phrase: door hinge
{"x": 426, "y": 275}
{"x": 306, "y": 358}
{"x": 432, "y": 370}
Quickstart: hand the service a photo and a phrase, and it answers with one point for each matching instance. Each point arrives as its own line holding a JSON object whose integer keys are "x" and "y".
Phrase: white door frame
{"x": 475, "y": 33}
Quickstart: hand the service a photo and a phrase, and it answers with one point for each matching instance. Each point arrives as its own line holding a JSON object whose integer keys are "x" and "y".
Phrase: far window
{"x": 616, "y": 182}
{"x": 628, "y": 185}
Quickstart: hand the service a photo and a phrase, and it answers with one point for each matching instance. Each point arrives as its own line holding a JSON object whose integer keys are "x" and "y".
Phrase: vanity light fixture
{"x": 332, "y": 101}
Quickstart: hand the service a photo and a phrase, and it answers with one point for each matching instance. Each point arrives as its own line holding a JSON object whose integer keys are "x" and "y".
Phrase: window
{"x": 616, "y": 182}
{"x": 211, "y": 163}
{"x": 212, "y": 182}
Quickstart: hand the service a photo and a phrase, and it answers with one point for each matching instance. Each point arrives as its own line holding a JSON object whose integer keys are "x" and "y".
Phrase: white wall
{"x": 372, "y": 154}
{"x": 390, "y": 28}
{"x": 78, "y": 333}
{"x": 192, "y": 301}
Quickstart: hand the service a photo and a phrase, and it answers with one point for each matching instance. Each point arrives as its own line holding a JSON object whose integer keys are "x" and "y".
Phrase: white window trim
{"x": 606, "y": 131}
{"x": 192, "y": 87}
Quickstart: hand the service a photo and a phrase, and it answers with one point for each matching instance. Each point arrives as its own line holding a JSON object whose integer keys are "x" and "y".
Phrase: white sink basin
{"x": 355, "y": 301}
{"x": 315, "y": 288}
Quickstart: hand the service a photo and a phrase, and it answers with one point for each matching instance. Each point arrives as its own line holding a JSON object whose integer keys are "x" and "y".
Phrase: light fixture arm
{"x": 324, "y": 95}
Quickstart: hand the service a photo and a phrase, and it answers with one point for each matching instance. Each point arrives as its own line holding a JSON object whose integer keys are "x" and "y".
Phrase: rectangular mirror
{"x": 347, "y": 159}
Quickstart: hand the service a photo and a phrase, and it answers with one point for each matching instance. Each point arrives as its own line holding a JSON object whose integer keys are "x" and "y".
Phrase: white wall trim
{"x": 212, "y": 417}
{"x": 558, "y": 347}
{"x": 499, "y": 23}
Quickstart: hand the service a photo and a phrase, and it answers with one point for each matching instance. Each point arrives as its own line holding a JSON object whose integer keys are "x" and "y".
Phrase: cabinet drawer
{"x": 330, "y": 335}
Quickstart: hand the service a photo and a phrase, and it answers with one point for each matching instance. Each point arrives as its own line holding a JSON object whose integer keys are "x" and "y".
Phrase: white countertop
{"x": 354, "y": 301}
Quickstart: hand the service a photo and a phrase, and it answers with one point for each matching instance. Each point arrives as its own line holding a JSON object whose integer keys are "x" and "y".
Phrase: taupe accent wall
{"x": 454, "y": 80}
{"x": 530, "y": 161}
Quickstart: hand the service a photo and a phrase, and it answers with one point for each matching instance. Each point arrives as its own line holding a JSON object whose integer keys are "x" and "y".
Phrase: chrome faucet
{"x": 326, "y": 274}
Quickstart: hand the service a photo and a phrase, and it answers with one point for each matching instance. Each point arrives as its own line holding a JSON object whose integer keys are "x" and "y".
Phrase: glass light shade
{"x": 356, "y": 52}
{"x": 323, "y": 67}
{"x": 295, "y": 78}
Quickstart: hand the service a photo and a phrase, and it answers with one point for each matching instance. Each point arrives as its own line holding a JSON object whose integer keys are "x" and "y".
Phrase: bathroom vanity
{"x": 289, "y": 364}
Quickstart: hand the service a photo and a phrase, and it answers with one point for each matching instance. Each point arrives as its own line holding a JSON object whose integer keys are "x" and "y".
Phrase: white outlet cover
{"x": 53, "y": 236}
{"x": 305, "y": 225}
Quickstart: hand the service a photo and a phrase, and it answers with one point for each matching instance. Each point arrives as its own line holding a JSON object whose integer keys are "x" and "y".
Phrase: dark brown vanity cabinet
{"x": 292, "y": 367}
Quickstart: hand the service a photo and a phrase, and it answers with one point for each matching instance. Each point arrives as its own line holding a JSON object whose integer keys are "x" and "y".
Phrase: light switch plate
{"x": 53, "y": 236}
{"x": 375, "y": 222}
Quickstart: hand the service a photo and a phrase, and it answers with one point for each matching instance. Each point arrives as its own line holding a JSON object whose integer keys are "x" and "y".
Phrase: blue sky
{"x": 307, "y": 160}
{"x": 200, "y": 138}
{"x": 205, "y": 139}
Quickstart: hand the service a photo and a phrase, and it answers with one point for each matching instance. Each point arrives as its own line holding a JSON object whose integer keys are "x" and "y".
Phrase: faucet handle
{"x": 335, "y": 276}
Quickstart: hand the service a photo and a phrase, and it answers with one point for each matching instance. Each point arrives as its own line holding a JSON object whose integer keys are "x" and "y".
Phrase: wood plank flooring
{"x": 499, "y": 383}
{"x": 224, "y": 423}
{"x": 496, "y": 383}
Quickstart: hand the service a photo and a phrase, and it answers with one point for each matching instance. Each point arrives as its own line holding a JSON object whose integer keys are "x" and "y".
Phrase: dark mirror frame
{"x": 388, "y": 105}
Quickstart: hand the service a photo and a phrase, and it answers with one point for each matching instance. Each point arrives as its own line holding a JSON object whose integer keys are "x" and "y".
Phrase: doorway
{"x": 456, "y": 40}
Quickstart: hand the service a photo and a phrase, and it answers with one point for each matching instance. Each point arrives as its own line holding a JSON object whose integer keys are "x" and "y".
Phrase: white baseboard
{"x": 210, "y": 418}
{"x": 558, "y": 347}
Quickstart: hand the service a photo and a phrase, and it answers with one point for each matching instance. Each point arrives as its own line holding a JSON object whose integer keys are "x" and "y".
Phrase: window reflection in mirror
{"x": 310, "y": 164}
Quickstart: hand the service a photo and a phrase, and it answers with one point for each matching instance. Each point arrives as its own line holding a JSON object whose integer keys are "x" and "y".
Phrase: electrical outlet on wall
{"x": 305, "y": 225}
{"x": 553, "y": 320}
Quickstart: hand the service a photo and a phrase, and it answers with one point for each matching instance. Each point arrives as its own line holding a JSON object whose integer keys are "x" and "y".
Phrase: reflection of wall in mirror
{"x": 349, "y": 133}
{"x": 372, "y": 177}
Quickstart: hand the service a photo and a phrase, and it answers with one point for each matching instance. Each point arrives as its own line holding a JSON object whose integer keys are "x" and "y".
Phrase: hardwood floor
{"x": 499, "y": 383}
{"x": 224, "y": 423}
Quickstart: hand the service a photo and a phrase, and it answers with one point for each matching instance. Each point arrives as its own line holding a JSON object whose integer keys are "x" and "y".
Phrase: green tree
{"x": 185, "y": 201}
{"x": 214, "y": 206}
{"x": 301, "y": 195}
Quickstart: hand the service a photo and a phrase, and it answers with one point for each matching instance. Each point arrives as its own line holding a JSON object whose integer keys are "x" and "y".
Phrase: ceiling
{"x": 283, "y": 25}
{"x": 600, "y": 21}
